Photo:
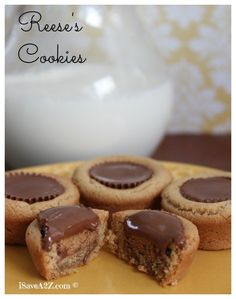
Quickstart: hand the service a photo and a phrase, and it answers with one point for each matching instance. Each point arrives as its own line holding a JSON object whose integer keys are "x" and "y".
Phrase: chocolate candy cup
{"x": 209, "y": 190}
{"x": 120, "y": 175}
{"x": 62, "y": 222}
{"x": 31, "y": 187}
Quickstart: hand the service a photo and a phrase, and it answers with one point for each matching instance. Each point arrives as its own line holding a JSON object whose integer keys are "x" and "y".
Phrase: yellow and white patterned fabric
{"x": 195, "y": 43}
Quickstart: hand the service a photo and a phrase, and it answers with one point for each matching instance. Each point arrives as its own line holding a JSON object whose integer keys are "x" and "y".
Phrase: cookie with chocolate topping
{"x": 156, "y": 242}
{"x": 206, "y": 201}
{"x": 121, "y": 182}
{"x": 63, "y": 238}
{"x": 26, "y": 194}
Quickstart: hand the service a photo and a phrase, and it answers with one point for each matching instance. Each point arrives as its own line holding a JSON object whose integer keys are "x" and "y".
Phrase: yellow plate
{"x": 210, "y": 272}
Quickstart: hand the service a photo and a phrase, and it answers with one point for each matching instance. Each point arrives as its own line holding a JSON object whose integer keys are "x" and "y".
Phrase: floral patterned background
{"x": 195, "y": 42}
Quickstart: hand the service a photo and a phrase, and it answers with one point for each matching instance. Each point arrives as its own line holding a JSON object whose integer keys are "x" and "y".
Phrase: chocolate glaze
{"x": 120, "y": 175}
{"x": 158, "y": 227}
{"x": 208, "y": 190}
{"x": 31, "y": 187}
{"x": 62, "y": 222}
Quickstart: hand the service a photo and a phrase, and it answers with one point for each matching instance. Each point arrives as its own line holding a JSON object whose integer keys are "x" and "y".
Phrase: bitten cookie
{"x": 206, "y": 201}
{"x": 29, "y": 193}
{"x": 63, "y": 238}
{"x": 156, "y": 242}
{"x": 121, "y": 182}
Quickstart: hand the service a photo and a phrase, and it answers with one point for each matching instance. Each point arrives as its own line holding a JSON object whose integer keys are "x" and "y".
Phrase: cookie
{"x": 121, "y": 182}
{"x": 63, "y": 238}
{"x": 26, "y": 194}
{"x": 206, "y": 201}
{"x": 155, "y": 242}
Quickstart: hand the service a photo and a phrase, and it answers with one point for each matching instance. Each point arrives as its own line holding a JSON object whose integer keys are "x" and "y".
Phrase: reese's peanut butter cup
{"x": 31, "y": 187}
{"x": 62, "y": 222}
{"x": 208, "y": 190}
{"x": 160, "y": 228}
{"x": 120, "y": 175}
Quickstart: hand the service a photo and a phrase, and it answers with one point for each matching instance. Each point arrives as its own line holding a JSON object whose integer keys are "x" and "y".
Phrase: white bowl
{"x": 76, "y": 114}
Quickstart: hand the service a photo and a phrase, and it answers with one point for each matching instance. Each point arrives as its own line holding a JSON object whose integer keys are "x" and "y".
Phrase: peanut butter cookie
{"x": 29, "y": 193}
{"x": 121, "y": 182}
{"x": 64, "y": 238}
{"x": 206, "y": 201}
{"x": 156, "y": 242}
